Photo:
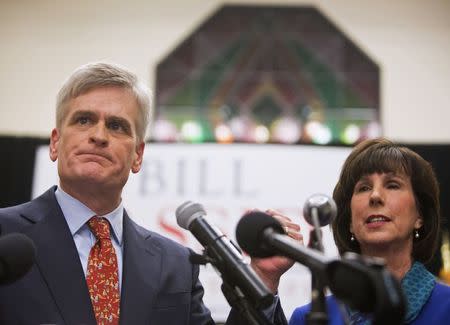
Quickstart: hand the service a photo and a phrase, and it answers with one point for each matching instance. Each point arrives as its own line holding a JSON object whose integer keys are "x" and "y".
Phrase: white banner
{"x": 227, "y": 180}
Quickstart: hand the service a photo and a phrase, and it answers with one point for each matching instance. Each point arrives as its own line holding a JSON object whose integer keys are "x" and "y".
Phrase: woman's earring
{"x": 416, "y": 233}
{"x": 352, "y": 238}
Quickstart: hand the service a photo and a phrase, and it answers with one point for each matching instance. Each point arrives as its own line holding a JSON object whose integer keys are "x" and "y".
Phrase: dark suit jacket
{"x": 159, "y": 284}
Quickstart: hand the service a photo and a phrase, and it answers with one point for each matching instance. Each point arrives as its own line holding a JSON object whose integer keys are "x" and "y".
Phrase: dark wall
{"x": 16, "y": 168}
{"x": 439, "y": 157}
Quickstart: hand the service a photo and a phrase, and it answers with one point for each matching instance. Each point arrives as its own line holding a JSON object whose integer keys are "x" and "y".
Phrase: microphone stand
{"x": 235, "y": 297}
{"x": 237, "y": 300}
{"x": 318, "y": 313}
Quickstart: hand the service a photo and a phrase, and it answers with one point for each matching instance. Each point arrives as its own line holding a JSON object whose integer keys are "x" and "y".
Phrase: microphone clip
{"x": 201, "y": 259}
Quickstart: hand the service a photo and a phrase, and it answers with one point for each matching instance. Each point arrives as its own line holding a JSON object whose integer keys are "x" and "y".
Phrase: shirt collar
{"x": 77, "y": 214}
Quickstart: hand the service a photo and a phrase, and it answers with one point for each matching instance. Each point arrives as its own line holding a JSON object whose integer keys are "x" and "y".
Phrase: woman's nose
{"x": 376, "y": 196}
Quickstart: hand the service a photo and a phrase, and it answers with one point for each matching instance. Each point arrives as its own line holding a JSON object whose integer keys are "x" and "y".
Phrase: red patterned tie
{"x": 103, "y": 275}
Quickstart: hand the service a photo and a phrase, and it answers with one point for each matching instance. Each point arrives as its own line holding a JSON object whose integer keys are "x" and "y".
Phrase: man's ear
{"x": 54, "y": 142}
{"x": 139, "y": 154}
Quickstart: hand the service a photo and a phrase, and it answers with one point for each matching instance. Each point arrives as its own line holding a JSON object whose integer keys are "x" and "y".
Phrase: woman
{"x": 388, "y": 206}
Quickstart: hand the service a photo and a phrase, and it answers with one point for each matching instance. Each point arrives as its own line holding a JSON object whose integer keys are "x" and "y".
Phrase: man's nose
{"x": 99, "y": 135}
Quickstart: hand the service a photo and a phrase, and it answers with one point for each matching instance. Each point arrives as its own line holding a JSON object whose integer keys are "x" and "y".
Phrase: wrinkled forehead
{"x": 71, "y": 105}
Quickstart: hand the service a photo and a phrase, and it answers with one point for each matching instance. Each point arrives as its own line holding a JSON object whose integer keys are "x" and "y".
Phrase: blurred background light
{"x": 318, "y": 132}
{"x": 261, "y": 134}
{"x": 163, "y": 130}
{"x": 351, "y": 134}
{"x": 372, "y": 130}
{"x": 223, "y": 134}
{"x": 192, "y": 131}
{"x": 242, "y": 128}
{"x": 285, "y": 130}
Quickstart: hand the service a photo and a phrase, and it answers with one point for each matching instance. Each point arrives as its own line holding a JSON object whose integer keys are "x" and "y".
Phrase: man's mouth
{"x": 95, "y": 156}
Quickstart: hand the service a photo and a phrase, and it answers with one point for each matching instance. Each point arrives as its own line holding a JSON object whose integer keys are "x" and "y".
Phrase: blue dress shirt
{"x": 77, "y": 215}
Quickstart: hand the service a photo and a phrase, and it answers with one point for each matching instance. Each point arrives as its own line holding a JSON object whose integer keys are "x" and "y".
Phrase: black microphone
{"x": 224, "y": 254}
{"x": 261, "y": 235}
{"x": 17, "y": 255}
{"x": 354, "y": 281}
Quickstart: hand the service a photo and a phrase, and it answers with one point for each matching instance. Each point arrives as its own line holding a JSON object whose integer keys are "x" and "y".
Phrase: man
{"x": 94, "y": 264}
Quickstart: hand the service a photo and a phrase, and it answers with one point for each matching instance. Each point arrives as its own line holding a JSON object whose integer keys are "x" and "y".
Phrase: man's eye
{"x": 116, "y": 126}
{"x": 83, "y": 120}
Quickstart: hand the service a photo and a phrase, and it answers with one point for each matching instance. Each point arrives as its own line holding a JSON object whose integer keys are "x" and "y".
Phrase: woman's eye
{"x": 393, "y": 185}
{"x": 362, "y": 188}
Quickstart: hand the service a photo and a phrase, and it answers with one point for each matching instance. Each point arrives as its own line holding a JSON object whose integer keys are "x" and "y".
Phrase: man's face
{"x": 97, "y": 144}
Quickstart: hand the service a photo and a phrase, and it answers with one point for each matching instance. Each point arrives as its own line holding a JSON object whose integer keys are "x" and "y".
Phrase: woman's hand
{"x": 270, "y": 269}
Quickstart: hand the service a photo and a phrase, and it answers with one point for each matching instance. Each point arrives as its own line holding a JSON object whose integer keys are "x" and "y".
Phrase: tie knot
{"x": 99, "y": 227}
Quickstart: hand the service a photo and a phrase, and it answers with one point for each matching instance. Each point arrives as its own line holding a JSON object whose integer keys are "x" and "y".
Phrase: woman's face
{"x": 384, "y": 211}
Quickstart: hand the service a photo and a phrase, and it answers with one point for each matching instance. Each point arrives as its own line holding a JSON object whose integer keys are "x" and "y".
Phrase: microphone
{"x": 261, "y": 235}
{"x": 224, "y": 255}
{"x": 362, "y": 285}
{"x": 321, "y": 204}
{"x": 17, "y": 255}
{"x": 319, "y": 210}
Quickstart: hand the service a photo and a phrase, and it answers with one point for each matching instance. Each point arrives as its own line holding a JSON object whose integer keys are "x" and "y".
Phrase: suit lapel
{"x": 141, "y": 272}
{"x": 58, "y": 261}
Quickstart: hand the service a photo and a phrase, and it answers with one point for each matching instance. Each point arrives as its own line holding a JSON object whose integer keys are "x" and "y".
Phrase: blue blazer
{"x": 436, "y": 310}
{"x": 159, "y": 284}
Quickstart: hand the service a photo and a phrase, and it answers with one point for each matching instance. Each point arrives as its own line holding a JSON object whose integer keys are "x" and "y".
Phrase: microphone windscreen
{"x": 17, "y": 255}
{"x": 352, "y": 284}
{"x": 250, "y": 233}
{"x": 188, "y": 212}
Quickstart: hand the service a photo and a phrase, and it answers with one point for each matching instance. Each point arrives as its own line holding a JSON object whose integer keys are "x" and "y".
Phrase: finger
{"x": 274, "y": 213}
{"x": 291, "y": 231}
{"x": 247, "y": 211}
{"x": 251, "y": 210}
{"x": 291, "y": 225}
{"x": 295, "y": 235}
{"x": 286, "y": 222}
{"x": 290, "y": 228}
